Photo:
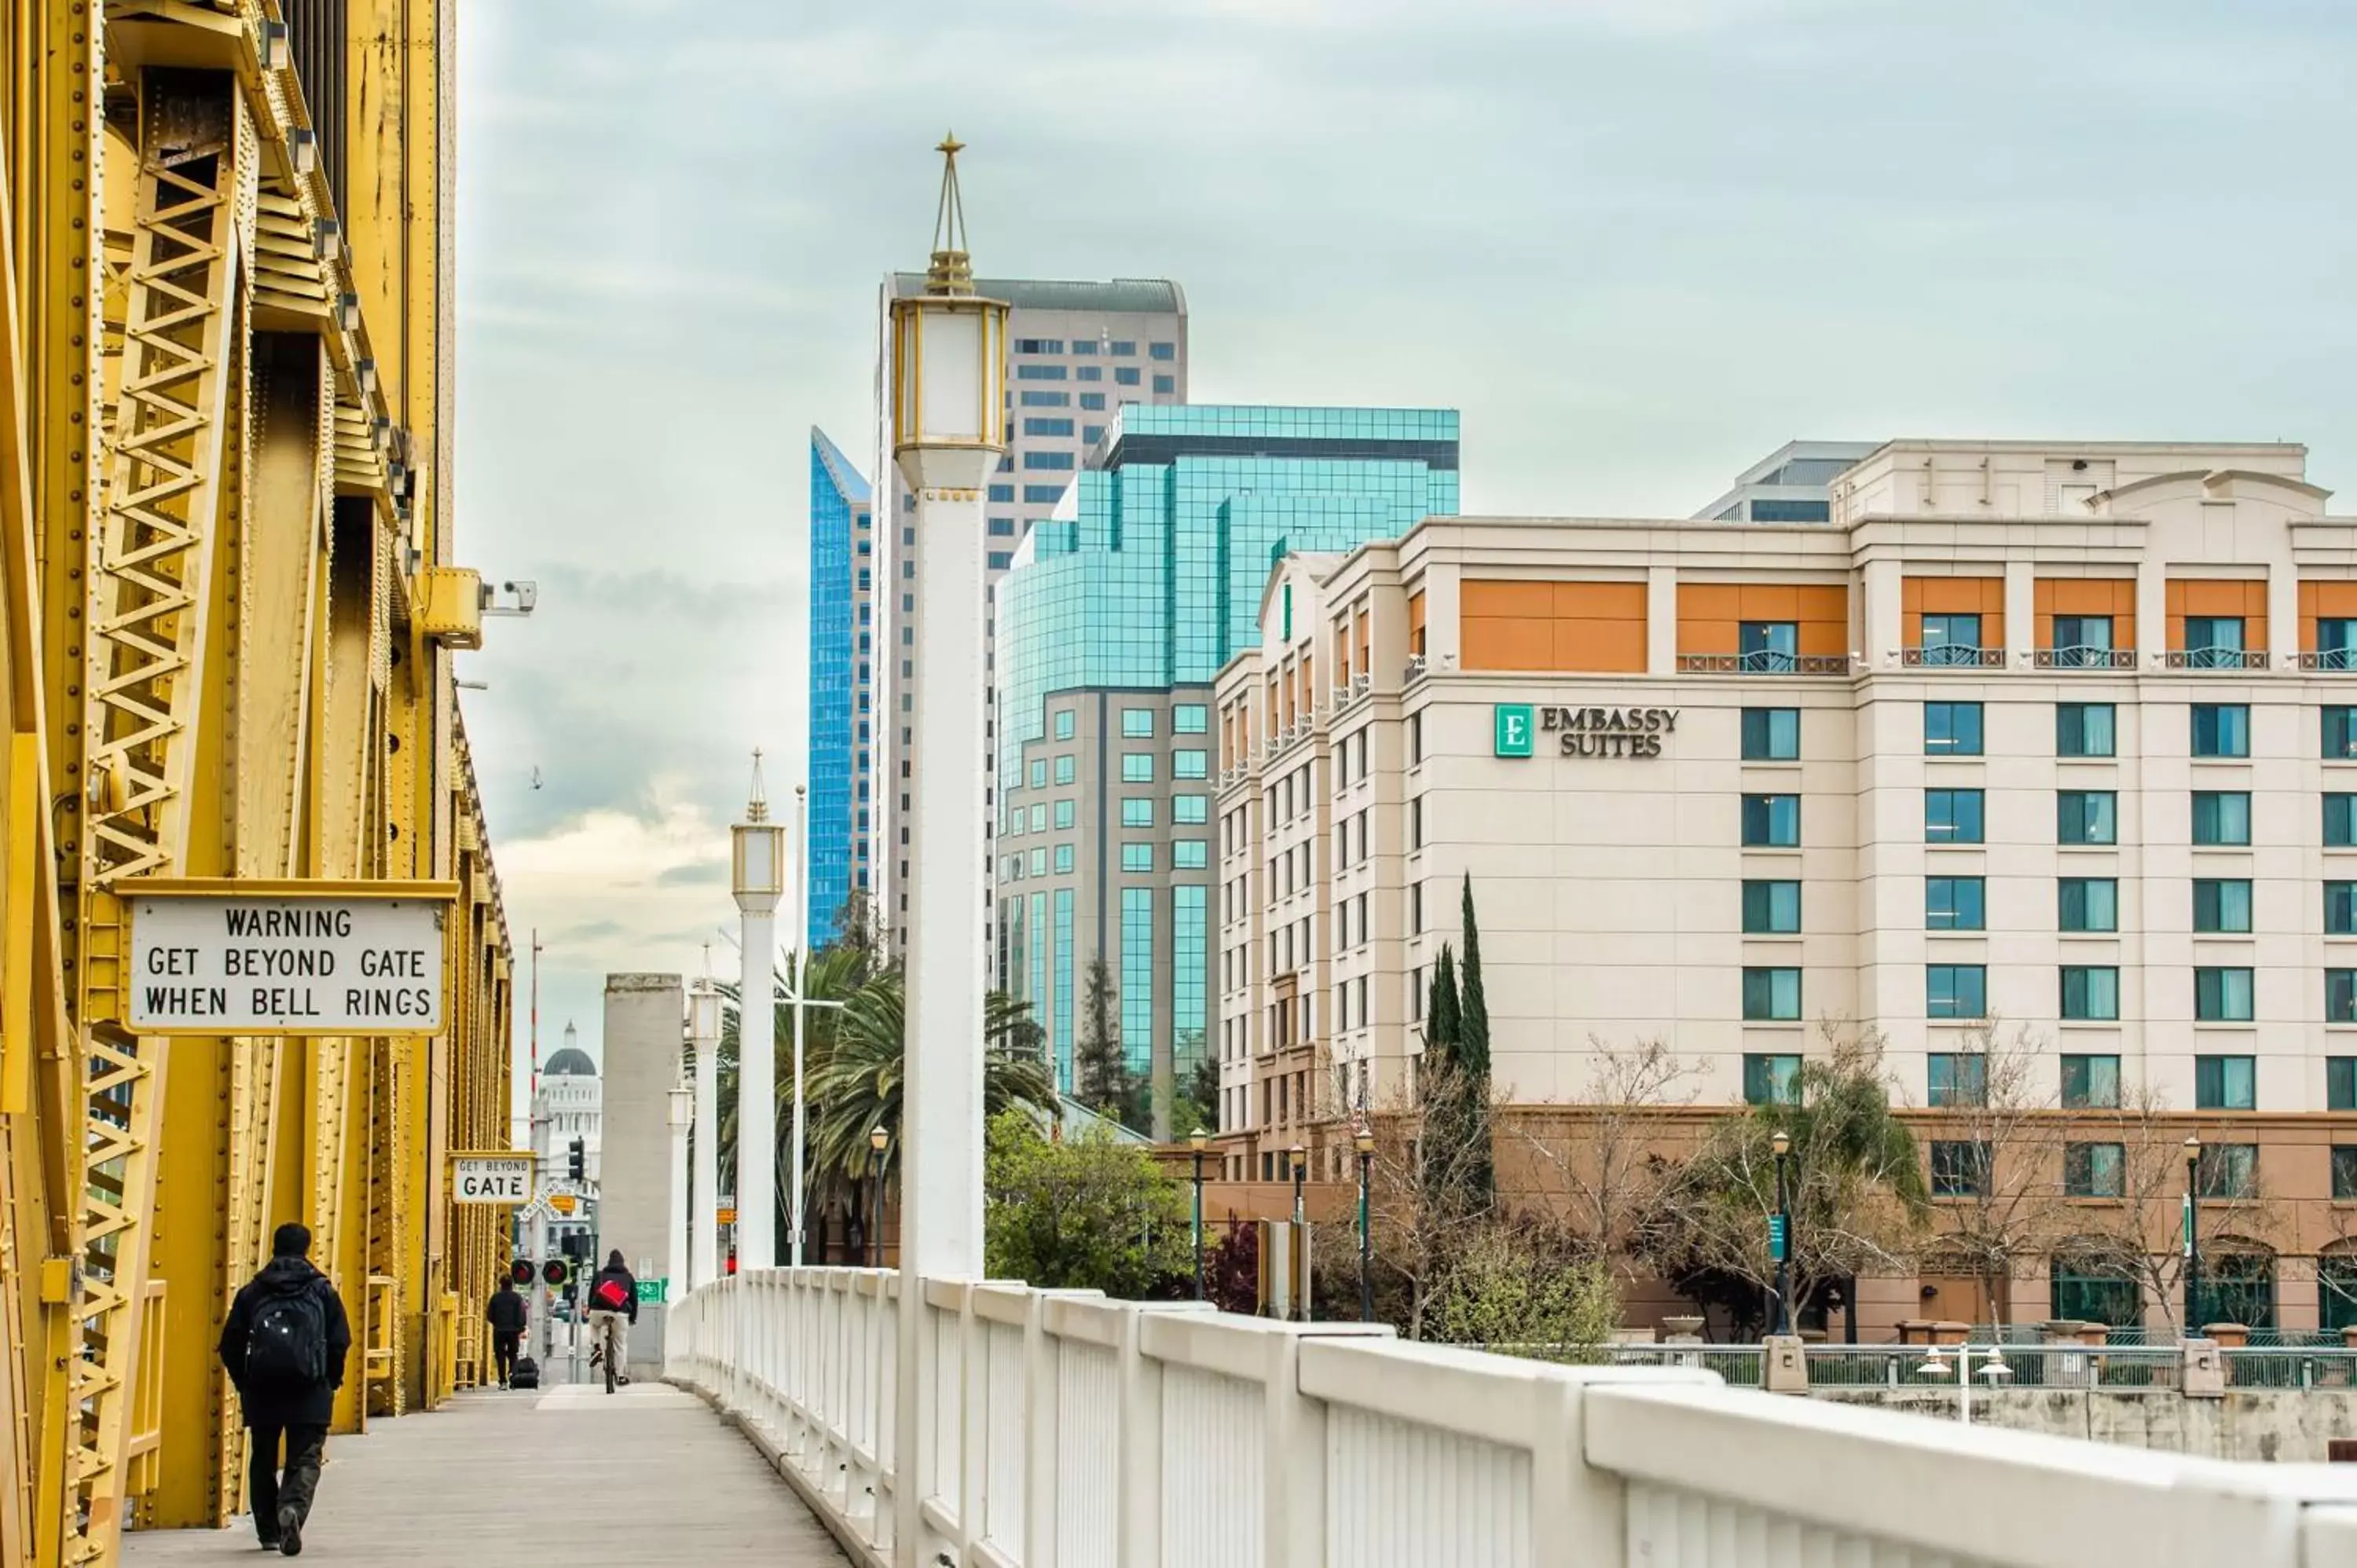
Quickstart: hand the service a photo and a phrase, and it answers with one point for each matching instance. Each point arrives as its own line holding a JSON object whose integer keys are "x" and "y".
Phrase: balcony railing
{"x": 1763, "y": 662}
{"x": 1415, "y": 668}
{"x": 2082, "y": 656}
{"x": 2215, "y": 659}
{"x": 1059, "y": 1427}
{"x": 1952, "y": 656}
{"x": 2329, "y": 658}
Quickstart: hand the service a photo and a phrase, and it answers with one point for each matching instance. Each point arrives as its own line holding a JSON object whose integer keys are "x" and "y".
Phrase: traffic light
{"x": 521, "y": 1271}
{"x": 557, "y": 1271}
{"x": 576, "y": 1164}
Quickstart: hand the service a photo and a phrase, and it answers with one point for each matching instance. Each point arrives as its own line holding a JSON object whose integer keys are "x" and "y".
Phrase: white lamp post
{"x": 757, "y": 881}
{"x": 682, "y": 1115}
{"x": 949, "y": 426}
{"x": 704, "y": 1227}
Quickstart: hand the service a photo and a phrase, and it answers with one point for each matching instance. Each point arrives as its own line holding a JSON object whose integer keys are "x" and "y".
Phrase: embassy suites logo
{"x": 1581, "y": 731}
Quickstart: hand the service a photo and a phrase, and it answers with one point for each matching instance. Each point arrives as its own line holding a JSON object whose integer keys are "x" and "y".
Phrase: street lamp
{"x": 1366, "y": 1144}
{"x": 703, "y": 1223}
{"x": 1300, "y": 1249}
{"x": 2193, "y": 1234}
{"x": 1198, "y": 1140}
{"x": 757, "y": 880}
{"x": 875, "y": 1141}
{"x": 1994, "y": 1369}
{"x": 1783, "y": 1144}
{"x": 683, "y": 1116}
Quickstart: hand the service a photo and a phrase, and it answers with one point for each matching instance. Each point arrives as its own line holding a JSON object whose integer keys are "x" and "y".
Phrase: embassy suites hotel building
{"x": 2062, "y": 736}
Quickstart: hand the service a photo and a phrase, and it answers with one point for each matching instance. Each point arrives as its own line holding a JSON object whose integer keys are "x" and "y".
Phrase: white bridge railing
{"x": 1062, "y": 1429}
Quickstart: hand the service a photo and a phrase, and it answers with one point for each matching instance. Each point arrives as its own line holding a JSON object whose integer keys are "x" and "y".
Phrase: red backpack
{"x": 609, "y": 1296}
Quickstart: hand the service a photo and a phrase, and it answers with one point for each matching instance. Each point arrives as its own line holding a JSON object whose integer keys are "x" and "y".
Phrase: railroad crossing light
{"x": 521, "y": 1271}
{"x": 557, "y": 1271}
{"x": 732, "y": 1260}
{"x": 575, "y": 1162}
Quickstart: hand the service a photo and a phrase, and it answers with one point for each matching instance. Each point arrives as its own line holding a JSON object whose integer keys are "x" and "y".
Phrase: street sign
{"x": 1776, "y": 1238}
{"x": 497, "y": 1179}
{"x": 224, "y": 956}
{"x": 654, "y": 1290}
{"x": 562, "y": 1202}
{"x": 724, "y": 1217}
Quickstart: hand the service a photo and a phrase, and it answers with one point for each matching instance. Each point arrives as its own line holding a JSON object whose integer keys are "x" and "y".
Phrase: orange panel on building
{"x": 2207, "y": 596}
{"x": 1982, "y": 597}
{"x": 2112, "y": 597}
{"x": 1416, "y": 622}
{"x": 1554, "y": 626}
{"x": 1710, "y": 613}
{"x": 2324, "y": 600}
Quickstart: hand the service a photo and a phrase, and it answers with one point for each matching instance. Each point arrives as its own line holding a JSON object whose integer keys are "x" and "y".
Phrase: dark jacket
{"x": 629, "y": 1290}
{"x": 506, "y": 1311}
{"x": 312, "y": 1406}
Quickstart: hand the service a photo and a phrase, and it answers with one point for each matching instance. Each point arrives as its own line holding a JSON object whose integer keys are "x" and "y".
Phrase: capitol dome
{"x": 572, "y": 1061}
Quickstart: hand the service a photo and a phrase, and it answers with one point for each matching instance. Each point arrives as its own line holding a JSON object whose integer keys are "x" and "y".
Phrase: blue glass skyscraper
{"x": 1112, "y": 622}
{"x": 842, "y": 684}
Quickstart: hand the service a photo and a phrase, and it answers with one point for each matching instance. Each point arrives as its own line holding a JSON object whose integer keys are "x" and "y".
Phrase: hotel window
{"x": 1956, "y": 990}
{"x": 1190, "y": 764}
{"x": 2340, "y": 1084}
{"x": 1067, "y": 769}
{"x": 1162, "y": 350}
{"x": 1955, "y": 1077}
{"x": 1047, "y": 400}
{"x": 2222, "y": 905}
{"x": 1960, "y": 1168}
{"x": 1768, "y": 646}
{"x": 2090, "y": 993}
{"x": 1039, "y": 774}
{"x": 1122, "y": 349}
{"x": 1138, "y": 811}
{"x": 1771, "y": 1078}
{"x": 1001, "y": 494}
{"x": 1042, "y": 495}
{"x": 1065, "y": 811}
{"x": 2335, "y": 643}
{"x": 1033, "y": 426}
{"x": 1039, "y": 819}
{"x": 1771, "y": 996}
{"x": 2224, "y": 1170}
{"x": 1416, "y": 824}
{"x": 1952, "y": 816}
{"x": 1138, "y": 767}
{"x": 1064, "y": 860}
{"x": 2088, "y": 903}
{"x": 1002, "y": 526}
{"x": 2082, "y": 641}
{"x": 1771, "y": 734}
{"x": 2338, "y": 1285}
{"x": 1039, "y": 345}
{"x": 1189, "y": 854}
{"x": 2221, "y": 995}
{"x": 2084, "y": 729}
{"x": 1125, "y": 375}
{"x": 1770, "y": 822}
{"x": 1138, "y": 724}
{"x": 1955, "y": 903}
{"x": 2222, "y": 817}
{"x": 1952, "y": 729}
{"x": 1137, "y": 857}
{"x": 2339, "y": 821}
{"x": 1093, "y": 402}
{"x": 2340, "y": 734}
{"x": 2224, "y": 1083}
{"x": 1039, "y": 861}
{"x": 1038, "y": 372}
{"x": 1772, "y": 907}
{"x": 2093, "y": 1170}
{"x": 1089, "y": 373}
{"x": 2091, "y": 1083}
{"x": 2340, "y": 909}
{"x": 1190, "y": 718}
{"x": 1189, "y": 808}
{"x": 2213, "y": 642}
{"x": 2223, "y": 729}
{"x": 2340, "y": 1005}
{"x": 1164, "y": 385}
{"x": 1066, "y": 724}
{"x": 2086, "y": 816}
{"x": 1952, "y": 640}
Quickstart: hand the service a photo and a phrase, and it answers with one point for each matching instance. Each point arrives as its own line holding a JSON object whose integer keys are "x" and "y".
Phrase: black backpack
{"x": 289, "y": 1347}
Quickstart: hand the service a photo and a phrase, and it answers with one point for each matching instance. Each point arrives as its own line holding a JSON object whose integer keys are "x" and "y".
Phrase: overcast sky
{"x": 1639, "y": 243}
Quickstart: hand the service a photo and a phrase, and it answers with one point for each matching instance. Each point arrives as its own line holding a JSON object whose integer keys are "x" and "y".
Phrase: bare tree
{"x": 1429, "y": 1189}
{"x": 1611, "y": 1155}
{"x": 2001, "y": 1153}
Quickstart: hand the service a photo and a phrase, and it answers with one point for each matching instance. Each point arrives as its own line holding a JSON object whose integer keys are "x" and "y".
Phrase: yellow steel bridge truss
{"x": 226, "y": 562}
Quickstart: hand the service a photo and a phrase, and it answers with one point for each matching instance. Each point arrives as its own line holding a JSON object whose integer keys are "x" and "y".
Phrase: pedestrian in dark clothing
{"x": 505, "y": 1313}
{"x": 285, "y": 1346}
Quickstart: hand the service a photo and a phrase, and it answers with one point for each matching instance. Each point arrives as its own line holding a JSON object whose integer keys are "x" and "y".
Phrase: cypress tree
{"x": 1440, "y": 1015}
{"x": 1473, "y": 1022}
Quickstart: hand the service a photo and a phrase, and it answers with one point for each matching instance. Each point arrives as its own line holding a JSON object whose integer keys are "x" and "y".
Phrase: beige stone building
{"x": 2060, "y": 734}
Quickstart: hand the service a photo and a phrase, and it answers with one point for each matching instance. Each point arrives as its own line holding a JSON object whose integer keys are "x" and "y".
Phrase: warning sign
{"x": 287, "y": 958}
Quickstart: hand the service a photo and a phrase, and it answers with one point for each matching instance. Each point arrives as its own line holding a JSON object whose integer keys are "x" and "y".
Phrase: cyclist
{"x": 613, "y": 1300}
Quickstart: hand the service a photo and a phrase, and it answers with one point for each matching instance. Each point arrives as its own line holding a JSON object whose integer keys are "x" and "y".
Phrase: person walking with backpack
{"x": 505, "y": 1312}
{"x": 283, "y": 1347}
{"x": 613, "y": 1297}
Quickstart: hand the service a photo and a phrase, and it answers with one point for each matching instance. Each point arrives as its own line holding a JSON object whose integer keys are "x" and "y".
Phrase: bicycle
{"x": 607, "y": 1348}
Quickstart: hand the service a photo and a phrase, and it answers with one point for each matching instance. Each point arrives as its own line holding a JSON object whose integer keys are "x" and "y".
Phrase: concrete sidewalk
{"x": 571, "y": 1475}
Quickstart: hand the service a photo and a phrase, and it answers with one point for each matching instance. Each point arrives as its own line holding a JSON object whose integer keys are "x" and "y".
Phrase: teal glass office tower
{"x": 842, "y": 685}
{"x": 1112, "y": 622}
